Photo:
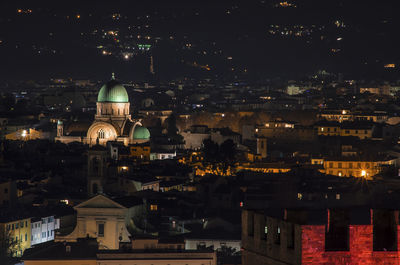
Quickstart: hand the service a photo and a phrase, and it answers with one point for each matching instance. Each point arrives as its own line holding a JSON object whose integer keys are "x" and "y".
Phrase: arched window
{"x": 101, "y": 134}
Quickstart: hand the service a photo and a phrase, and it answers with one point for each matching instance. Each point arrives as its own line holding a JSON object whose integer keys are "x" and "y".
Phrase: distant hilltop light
{"x": 24, "y": 11}
{"x": 285, "y": 4}
{"x": 390, "y": 65}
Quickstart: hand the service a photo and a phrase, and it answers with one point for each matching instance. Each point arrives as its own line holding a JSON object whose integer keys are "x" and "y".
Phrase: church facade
{"x": 112, "y": 121}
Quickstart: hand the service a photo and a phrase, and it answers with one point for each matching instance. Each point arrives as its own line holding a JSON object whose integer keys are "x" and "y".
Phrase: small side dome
{"x": 141, "y": 133}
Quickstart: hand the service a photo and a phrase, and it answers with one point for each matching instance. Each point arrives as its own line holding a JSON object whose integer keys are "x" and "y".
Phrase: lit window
{"x": 278, "y": 235}
{"x": 101, "y": 134}
{"x": 337, "y": 196}
{"x": 299, "y": 196}
{"x": 153, "y": 207}
{"x": 265, "y": 235}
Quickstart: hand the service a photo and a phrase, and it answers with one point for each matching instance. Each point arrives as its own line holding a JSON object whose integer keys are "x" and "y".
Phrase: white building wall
{"x": 162, "y": 156}
{"x": 43, "y": 230}
{"x": 192, "y": 244}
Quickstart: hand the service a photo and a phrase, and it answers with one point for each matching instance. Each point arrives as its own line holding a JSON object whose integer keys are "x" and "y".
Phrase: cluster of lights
{"x": 296, "y": 30}
{"x": 144, "y": 47}
{"x": 116, "y": 16}
{"x": 285, "y": 4}
{"x": 339, "y": 24}
{"x": 24, "y": 11}
{"x": 390, "y": 65}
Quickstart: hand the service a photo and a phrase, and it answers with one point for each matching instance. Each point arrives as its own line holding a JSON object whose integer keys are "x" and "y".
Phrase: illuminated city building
{"x": 16, "y": 234}
{"x": 112, "y": 121}
{"x": 100, "y": 218}
{"x": 284, "y": 129}
{"x": 346, "y": 115}
{"x": 140, "y": 152}
{"x": 43, "y": 229}
{"x": 382, "y": 90}
{"x": 24, "y": 135}
{"x": 354, "y": 167}
{"x": 362, "y": 130}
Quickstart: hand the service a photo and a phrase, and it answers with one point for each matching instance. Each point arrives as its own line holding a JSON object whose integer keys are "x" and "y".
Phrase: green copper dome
{"x": 113, "y": 91}
{"x": 141, "y": 133}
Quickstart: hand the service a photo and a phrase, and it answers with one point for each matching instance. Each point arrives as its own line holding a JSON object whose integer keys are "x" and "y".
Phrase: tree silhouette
{"x": 8, "y": 246}
{"x": 228, "y": 151}
{"x": 211, "y": 150}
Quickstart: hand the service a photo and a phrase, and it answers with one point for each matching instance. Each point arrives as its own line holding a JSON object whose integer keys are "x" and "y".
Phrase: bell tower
{"x": 97, "y": 170}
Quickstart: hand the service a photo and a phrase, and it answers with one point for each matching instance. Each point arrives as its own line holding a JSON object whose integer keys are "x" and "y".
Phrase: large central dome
{"x": 113, "y": 92}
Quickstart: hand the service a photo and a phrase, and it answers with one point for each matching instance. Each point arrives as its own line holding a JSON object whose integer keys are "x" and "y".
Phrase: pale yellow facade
{"x": 100, "y": 218}
{"x": 348, "y": 168}
{"x": 24, "y": 135}
{"x": 337, "y": 131}
{"x": 18, "y": 234}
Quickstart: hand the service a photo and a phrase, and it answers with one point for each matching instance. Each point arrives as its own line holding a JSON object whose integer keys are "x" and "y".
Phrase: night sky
{"x": 56, "y": 39}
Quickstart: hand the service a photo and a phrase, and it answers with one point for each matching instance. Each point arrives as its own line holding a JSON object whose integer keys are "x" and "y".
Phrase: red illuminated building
{"x": 324, "y": 236}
